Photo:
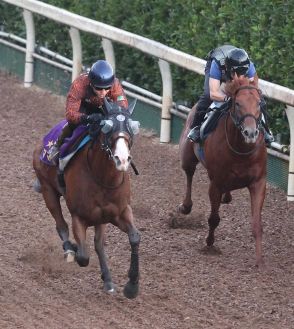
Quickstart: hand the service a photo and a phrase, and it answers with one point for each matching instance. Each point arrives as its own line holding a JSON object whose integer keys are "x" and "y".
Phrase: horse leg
{"x": 79, "y": 230}
{"x": 189, "y": 162}
{"x": 52, "y": 200}
{"x": 214, "y": 219}
{"x": 127, "y": 225}
{"x": 257, "y": 194}
{"x": 99, "y": 241}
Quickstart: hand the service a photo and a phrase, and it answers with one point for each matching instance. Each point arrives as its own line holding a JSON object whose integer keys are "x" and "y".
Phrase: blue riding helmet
{"x": 237, "y": 61}
{"x": 101, "y": 75}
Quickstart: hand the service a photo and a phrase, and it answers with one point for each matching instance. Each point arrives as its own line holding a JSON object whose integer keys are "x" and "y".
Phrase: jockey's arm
{"x": 73, "y": 103}
{"x": 216, "y": 94}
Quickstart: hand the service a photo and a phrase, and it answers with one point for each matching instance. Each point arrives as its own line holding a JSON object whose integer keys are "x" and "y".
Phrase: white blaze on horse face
{"x": 121, "y": 155}
{"x": 250, "y": 130}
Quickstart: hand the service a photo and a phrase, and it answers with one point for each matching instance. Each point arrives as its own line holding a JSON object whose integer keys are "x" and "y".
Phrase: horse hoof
{"x": 83, "y": 262}
{"x": 131, "y": 290}
{"x": 109, "y": 287}
{"x": 260, "y": 264}
{"x": 184, "y": 209}
{"x": 70, "y": 256}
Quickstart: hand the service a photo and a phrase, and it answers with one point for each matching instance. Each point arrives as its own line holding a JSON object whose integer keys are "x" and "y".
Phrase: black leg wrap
{"x": 67, "y": 245}
{"x": 134, "y": 267}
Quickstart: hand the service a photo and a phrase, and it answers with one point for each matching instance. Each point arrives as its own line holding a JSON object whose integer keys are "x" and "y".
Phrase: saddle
{"x": 215, "y": 111}
{"x": 71, "y": 145}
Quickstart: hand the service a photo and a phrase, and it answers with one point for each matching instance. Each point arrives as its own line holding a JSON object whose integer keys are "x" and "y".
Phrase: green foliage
{"x": 263, "y": 28}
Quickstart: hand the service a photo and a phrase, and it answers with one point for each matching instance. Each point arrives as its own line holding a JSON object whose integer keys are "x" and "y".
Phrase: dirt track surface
{"x": 182, "y": 284}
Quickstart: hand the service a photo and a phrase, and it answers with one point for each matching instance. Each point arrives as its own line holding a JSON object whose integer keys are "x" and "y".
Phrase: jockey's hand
{"x": 92, "y": 118}
{"x": 227, "y": 99}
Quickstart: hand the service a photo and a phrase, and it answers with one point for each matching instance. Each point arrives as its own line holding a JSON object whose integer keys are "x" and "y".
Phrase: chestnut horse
{"x": 97, "y": 193}
{"x": 234, "y": 155}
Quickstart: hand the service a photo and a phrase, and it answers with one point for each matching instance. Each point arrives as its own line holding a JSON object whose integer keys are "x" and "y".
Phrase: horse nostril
{"x": 117, "y": 160}
{"x": 256, "y": 132}
{"x": 129, "y": 159}
{"x": 246, "y": 133}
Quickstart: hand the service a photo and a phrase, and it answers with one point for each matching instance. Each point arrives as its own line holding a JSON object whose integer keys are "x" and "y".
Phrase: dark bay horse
{"x": 234, "y": 156}
{"x": 97, "y": 193}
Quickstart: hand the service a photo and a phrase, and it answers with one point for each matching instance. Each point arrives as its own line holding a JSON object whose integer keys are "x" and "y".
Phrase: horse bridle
{"x": 124, "y": 132}
{"x": 121, "y": 129}
{"x": 238, "y": 122}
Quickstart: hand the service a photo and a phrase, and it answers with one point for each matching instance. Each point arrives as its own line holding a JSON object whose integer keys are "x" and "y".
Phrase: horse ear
{"x": 132, "y": 106}
{"x": 107, "y": 105}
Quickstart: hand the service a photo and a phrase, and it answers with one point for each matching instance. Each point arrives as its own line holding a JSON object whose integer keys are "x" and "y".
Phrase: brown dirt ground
{"x": 182, "y": 285}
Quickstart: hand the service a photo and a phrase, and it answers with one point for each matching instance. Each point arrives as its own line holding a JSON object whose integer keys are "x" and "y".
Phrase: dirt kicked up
{"x": 183, "y": 285}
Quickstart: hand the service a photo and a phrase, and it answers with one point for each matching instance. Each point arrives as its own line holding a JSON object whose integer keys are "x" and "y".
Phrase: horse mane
{"x": 237, "y": 82}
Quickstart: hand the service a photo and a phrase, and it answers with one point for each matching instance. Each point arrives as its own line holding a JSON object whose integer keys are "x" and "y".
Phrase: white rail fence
{"x": 164, "y": 54}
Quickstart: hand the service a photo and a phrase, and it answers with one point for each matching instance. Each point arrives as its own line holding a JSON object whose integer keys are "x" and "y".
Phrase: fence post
{"x": 167, "y": 101}
{"x": 30, "y": 48}
{"x": 290, "y": 115}
{"x": 76, "y": 52}
{"x": 108, "y": 52}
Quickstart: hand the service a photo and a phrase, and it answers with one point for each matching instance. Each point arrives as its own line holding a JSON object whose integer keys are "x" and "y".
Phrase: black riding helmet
{"x": 101, "y": 75}
{"x": 237, "y": 61}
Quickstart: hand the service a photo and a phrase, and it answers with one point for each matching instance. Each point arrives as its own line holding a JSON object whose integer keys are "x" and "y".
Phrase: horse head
{"x": 246, "y": 110}
{"x": 118, "y": 130}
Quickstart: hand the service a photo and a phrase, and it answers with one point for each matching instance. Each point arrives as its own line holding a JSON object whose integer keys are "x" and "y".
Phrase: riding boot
{"x": 53, "y": 152}
{"x": 268, "y": 136}
{"x": 194, "y": 133}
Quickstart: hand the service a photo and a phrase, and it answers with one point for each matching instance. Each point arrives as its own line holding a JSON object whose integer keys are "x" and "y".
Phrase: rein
{"x": 238, "y": 123}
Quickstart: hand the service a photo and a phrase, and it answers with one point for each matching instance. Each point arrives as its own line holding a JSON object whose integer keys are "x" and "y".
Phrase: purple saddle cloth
{"x": 68, "y": 144}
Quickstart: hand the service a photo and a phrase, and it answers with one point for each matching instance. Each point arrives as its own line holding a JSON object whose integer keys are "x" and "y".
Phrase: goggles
{"x": 100, "y": 88}
{"x": 240, "y": 70}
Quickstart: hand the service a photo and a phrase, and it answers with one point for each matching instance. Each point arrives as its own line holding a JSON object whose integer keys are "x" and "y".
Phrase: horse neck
{"x": 102, "y": 167}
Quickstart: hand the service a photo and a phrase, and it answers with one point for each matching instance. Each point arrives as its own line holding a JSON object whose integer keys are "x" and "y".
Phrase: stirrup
{"x": 53, "y": 153}
{"x": 194, "y": 134}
